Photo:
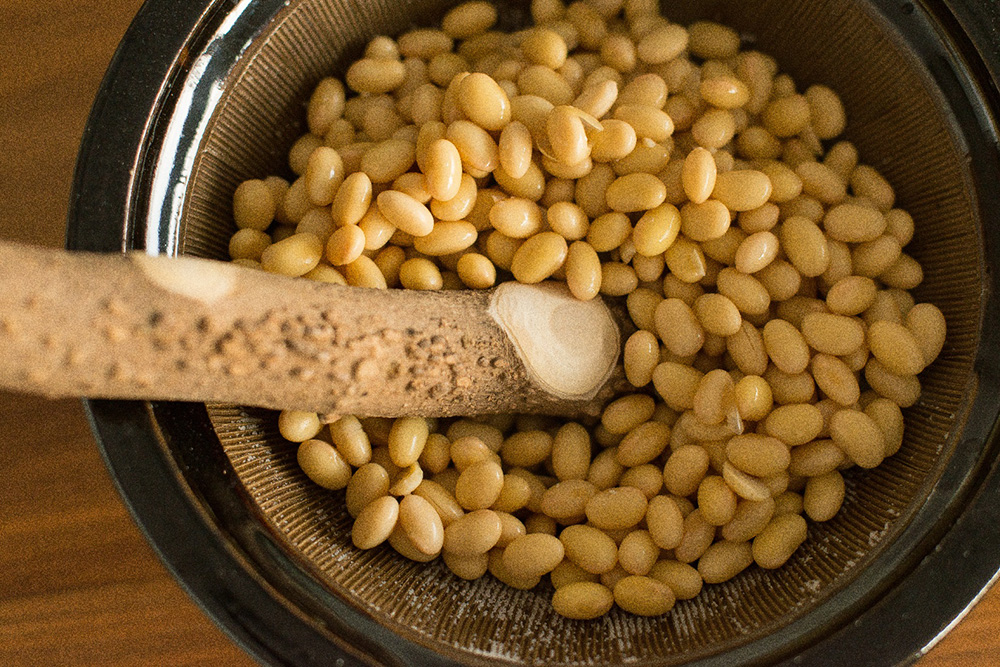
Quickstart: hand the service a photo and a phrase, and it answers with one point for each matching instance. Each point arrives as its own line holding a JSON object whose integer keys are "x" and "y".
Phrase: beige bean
{"x": 758, "y": 455}
{"x": 698, "y": 175}
{"x": 753, "y": 397}
{"x": 465, "y": 567}
{"x": 468, "y": 19}
{"x": 781, "y": 280}
{"x": 895, "y": 348}
{"x": 405, "y": 212}
{"x": 589, "y": 548}
{"x": 571, "y": 452}
{"x": 835, "y": 379}
{"x": 352, "y": 200}
{"x": 823, "y": 496}
{"x": 323, "y": 464}
{"x": 833, "y": 334}
{"x": 609, "y": 231}
{"x": 790, "y": 389}
{"x": 662, "y": 44}
{"x": 684, "y": 470}
{"x": 706, "y": 221}
{"x": 616, "y": 508}
{"x": 533, "y": 555}
{"x": 351, "y": 440}
{"x": 566, "y": 501}
{"x": 794, "y": 424}
{"x": 656, "y": 230}
{"x": 407, "y": 439}
{"x": 627, "y": 413}
{"x": 683, "y": 579}
{"x": 293, "y": 256}
{"x": 678, "y": 327}
{"x": 724, "y": 560}
{"x": 716, "y": 500}
{"x": 566, "y": 135}
{"x": 375, "y": 522}
{"x": 698, "y": 536}
{"x": 437, "y": 453}
{"x": 751, "y": 517}
{"x": 873, "y": 258}
{"x": 616, "y": 140}
{"x": 786, "y": 346}
{"x": 345, "y": 245}
{"x": 298, "y": 425}
{"x": 422, "y": 524}
{"x": 904, "y": 390}
{"x": 618, "y": 279}
{"x": 821, "y": 182}
{"x": 851, "y": 295}
{"x": 647, "y": 121}
{"x": 473, "y": 533}
{"x": 516, "y": 217}
{"x": 888, "y": 417}
{"x": 643, "y": 596}
{"x": 756, "y": 252}
{"x": 742, "y": 190}
{"x": 778, "y": 541}
{"x": 665, "y": 522}
{"x": 853, "y": 223}
{"x": 568, "y": 572}
{"x": 248, "y": 244}
{"x": 826, "y": 111}
{"x": 786, "y": 116}
{"x": 526, "y": 449}
{"x": 539, "y": 257}
{"x": 254, "y": 205}
{"x": 859, "y": 436}
{"x": 476, "y": 271}
{"x": 868, "y": 183}
{"x": 746, "y": 292}
{"x": 927, "y": 325}
{"x": 479, "y": 485}
{"x": 441, "y": 499}
{"x": 643, "y": 443}
{"x": 583, "y": 600}
{"x": 676, "y": 384}
{"x": 375, "y": 76}
{"x": 583, "y": 271}
{"x": 816, "y": 458}
{"x": 805, "y": 245}
{"x": 636, "y": 192}
{"x": 476, "y": 147}
{"x": 715, "y": 399}
{"x": 640, "y": 357}
{"x": 717, "y": 314}
{"x": 368, "y": 483}
{"x": 746, "y": 347}
{"x": 442, "y": 166}
{"x": 904, "y": 274}
{"x": 638, "y": 553}
{"x": 515, "y": 148}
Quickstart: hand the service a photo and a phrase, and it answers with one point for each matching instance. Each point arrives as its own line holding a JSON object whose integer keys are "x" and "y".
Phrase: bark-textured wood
{"x": 106, "y": 326}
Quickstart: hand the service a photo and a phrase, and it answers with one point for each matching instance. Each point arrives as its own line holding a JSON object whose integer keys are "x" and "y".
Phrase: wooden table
{"x": 78, "y": 583}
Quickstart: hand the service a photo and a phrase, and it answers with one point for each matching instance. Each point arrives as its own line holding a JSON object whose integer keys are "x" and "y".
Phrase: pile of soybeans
{"x": 634, "y": 158}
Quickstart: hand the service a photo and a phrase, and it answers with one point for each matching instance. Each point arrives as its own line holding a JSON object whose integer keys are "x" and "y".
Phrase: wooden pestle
{"x": 161, "y": 328}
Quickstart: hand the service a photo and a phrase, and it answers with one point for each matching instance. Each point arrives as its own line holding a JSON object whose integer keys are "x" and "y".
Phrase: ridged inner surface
{"x": 897, "y": 125}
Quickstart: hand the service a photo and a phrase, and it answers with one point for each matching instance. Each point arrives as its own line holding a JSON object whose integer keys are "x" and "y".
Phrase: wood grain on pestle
{"x": 107, "y": 326}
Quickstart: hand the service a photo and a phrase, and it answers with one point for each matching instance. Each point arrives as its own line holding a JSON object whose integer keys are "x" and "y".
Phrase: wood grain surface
{"x": 78, "y": 583}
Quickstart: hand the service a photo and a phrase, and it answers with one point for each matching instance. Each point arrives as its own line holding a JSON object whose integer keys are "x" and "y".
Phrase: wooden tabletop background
{"x": 78, "y": 582}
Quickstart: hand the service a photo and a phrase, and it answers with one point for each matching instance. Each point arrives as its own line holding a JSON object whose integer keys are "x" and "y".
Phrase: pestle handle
{"x": 143, "y": 327}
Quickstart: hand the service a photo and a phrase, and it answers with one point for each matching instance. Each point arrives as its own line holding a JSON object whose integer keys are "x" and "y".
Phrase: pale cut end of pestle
{"x": 569, "y": 347}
